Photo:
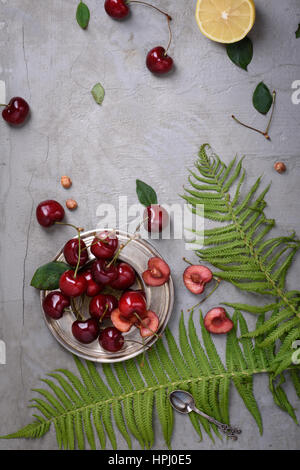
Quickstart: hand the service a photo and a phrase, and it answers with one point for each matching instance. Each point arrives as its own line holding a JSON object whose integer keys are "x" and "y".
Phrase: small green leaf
{"x": 145, "y": 193}
{"x": 47, "y": 276}
{"x": 297, "y": 33}
{"x": 241, "y": 52}
{"x": 262, "y": 98}
{"x": 83, "y": 15}
{"x": 98, "y": 93}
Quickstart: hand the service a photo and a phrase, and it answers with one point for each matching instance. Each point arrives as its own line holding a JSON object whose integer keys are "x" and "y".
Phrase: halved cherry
{"x": 149, "y": 324}
{"x": 216, "y": 321}
{"x": 196, "y": 277}
{"x": 158, "y": 272}
{"x": 132, "y": 303}
{"x": 122, "y": 323}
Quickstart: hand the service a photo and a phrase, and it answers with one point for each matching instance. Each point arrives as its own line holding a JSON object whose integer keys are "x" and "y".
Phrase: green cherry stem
{"x": 103, "y": 314}
{"x": 75, "y": 310}
{"x": 4, "y": 105}
{"x": 79, "y": 254}
{"x": 187, "y": 261}
{"x": 205, "y": 298}
{"x": 145, "y": 326}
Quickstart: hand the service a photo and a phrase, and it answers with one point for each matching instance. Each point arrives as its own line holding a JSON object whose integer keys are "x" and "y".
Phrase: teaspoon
{"x": 183, "y": 402}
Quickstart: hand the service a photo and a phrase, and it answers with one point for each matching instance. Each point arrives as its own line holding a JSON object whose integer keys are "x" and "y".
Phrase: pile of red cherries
{"x": 126, "y": 309}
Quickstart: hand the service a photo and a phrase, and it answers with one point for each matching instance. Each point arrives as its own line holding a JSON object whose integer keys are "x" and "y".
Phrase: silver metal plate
{"x": 159, "y": 299}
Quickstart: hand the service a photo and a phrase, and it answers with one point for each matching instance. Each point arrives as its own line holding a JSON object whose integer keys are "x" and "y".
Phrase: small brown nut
{"x": 71, "y": 204}
{"x": 66, "y": 181}
{"x": 280, "y": 167}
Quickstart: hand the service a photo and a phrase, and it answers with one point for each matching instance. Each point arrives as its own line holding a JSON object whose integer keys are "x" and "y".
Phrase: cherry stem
{"x": 103, "y": 314}
{"x": 75, "y": 310}
{"x": 145, "y": 326}
{"x": 266, "y": 132}
{"x": 187, "y": 261}
{"x": 151, "y": 6}
{"x": 170, "y": 34}
{"x": 211, "y": 292}
{"x": 78, "y": 230}
{"x": 1, "y": 104}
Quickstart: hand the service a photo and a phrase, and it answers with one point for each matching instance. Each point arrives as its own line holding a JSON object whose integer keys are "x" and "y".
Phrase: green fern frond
{"x": 88, "y": 407}
{"x": 240, "y": 248}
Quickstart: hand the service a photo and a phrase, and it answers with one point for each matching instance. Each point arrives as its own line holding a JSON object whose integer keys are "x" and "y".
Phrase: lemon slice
{"x": 225, "y": 21}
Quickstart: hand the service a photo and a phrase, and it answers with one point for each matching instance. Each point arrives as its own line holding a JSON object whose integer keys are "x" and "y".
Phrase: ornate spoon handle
{"x": 230, "y": 431}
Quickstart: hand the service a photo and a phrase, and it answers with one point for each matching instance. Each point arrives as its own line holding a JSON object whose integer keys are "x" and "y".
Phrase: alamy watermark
{"x": 185, "y": 222}
{"x": 296, "y": 94}
{"x": 2, "y": 352}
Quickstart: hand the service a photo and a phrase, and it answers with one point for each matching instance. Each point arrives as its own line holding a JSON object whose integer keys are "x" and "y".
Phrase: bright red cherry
{"x": 16, "y": 111}
{"x": 104, "y": 245}
{"x": 71, "y": 286}
{"x": 101, "y": 306}
{"x": 126, "y": 277}
{"x": 132, "y": 302}
{"x": 158, "y": 61}
{"x": 111, "y": 339}
{"x": 117, "y": 9}
{"x": 156, "y": 218}
{"x": 48, "y": 212}
{"x": 216, "y": 321}
{"x": 158, "y": 272}
{"x": 55, "y": 303}
{"x": 86, "y": 331}
{"x": 71, "y": 252}
{"x": 102, "y": 273}
{"x": 196, "y": 277}
{"x": 93, "y": 288}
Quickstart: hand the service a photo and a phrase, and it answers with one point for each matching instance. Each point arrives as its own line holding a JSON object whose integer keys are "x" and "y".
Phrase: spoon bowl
{"x": 182, "y": 401}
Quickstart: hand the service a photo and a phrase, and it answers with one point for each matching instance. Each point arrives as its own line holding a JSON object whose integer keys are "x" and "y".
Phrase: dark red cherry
{"x": 16, "y": 111}
{"x": 111, "y": 339}
{"x": 55, "y": 303}
{"x": 102, "y": 273}
{"x": 104, "y": 245}
{"x": 158, "y": 61}
{"x": 93, "y": 288}
{"x": 101, "y": 306}
{"x": 48, "y": 212}
{"x": 117, "y": 9}
{"x": 86, "y": 331}
{"x": 156, "y": 218}
{"x": 132, "y": 302}
{"x": 71, "y": 252}
{"x": 71, "y": 286}
{"x": 126, "y": 277}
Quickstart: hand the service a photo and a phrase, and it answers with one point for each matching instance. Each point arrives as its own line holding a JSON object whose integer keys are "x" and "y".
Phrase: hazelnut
{"x": 71, "y": 204}
{"x": 280, "y": 167}
{"x": 66, "y": 182}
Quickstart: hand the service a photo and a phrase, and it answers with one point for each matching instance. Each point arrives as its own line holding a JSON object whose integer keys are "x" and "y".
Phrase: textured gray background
{"x": 148, "y": 127}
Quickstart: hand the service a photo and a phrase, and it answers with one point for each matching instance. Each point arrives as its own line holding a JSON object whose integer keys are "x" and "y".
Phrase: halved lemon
{"x": 225, "y": 21}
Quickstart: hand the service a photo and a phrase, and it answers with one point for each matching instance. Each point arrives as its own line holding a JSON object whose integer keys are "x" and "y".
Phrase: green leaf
{"x": 145, "y": 193}
{"x": 98, "y": 93}
{"x": 240, "y": 52}
{"x": 47, "y": 276}
{"x": 83, "y": 15}
{"x": 262, "y": 98}
{"x": 297, "y": 33}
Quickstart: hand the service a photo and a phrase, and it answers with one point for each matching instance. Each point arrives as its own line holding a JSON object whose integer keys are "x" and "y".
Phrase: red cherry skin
{"x": 48, "y": 212}
{"x": 86, "y": 331}
{"x": 104, "y": 246}
{"x": 149, "y": 325}
{"x": 70, "y": 286}
{"x": 157, "y": 218}
{"x": 102, "y": 273}
{"x": 158, "y": 61}
{"x": 55, "y": 303}
{"x": 132, "y": 302}
{"x": 117, "y": 9}
{"x": 71, "y": 252}
{"x": 158, "y": 272}
{"x": 126, "y": 277}
{"x": 216, "y": 321}
{"x": 111, "y": 339}
{"x": 16, "y": 111}
{"x": 92, "y": 287}
{"x": 102, "y": 303}
{"x": 196, "y": 277}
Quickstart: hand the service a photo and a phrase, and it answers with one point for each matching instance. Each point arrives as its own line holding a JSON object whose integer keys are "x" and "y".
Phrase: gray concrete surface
{"x": 148, "y": 127}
